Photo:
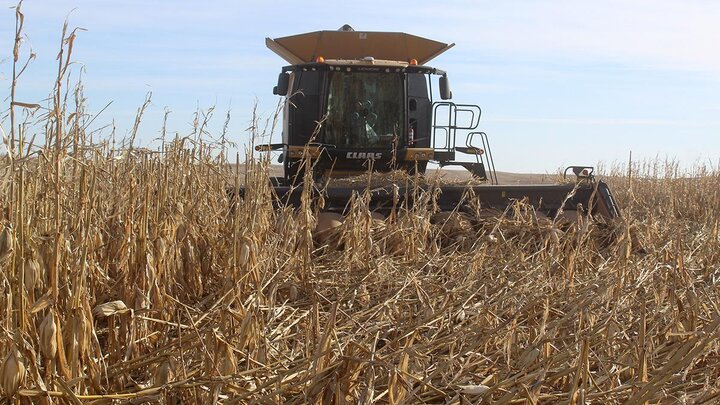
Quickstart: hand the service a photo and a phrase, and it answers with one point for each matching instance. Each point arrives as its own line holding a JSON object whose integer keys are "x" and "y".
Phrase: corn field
{"x": 134, "y": 276}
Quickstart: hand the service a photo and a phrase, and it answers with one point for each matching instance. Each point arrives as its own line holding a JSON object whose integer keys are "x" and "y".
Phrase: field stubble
{"x": 131, "y": 278}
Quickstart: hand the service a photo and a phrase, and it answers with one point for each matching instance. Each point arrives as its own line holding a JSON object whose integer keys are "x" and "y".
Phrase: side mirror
{"x": 445, "y": 92}
{"x": 282, "y": 85}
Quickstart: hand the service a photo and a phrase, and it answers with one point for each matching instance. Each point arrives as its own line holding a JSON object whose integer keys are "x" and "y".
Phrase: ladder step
{"x": 470, "y": 150}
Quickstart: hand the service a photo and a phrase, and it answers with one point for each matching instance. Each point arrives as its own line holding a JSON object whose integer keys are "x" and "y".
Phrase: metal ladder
{"x": 463, "y": 117}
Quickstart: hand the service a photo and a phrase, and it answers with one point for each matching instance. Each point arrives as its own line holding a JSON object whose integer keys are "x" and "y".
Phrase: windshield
{"x": 364, "y": 109}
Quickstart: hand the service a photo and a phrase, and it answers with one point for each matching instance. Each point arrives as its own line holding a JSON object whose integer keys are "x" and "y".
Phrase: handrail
{"x": 447, "y": 129}
{"x": 471, "y": 108}
{"x": 486, "y": 157}
{"x": 452, "y": 126}
{"x": 489, "y": 158}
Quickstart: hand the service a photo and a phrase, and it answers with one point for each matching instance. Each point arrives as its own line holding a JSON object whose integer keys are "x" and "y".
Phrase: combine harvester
{"x": 356, "y": 101}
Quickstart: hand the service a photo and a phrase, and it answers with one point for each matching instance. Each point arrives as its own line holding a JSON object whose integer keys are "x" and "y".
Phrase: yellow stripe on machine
{"x": 297, "y": 152}
{"x": 419, "y": 154}
{"x": 263, "y": 148}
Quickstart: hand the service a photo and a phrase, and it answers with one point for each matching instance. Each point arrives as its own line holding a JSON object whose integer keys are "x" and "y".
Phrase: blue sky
{"x": 560, "y": 82}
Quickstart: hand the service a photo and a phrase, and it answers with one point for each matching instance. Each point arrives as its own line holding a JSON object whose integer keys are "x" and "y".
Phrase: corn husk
{"x": 7, "y": 241}
{"x": 13, "y": 372}
{"x": 110, "y": 308}
{"x": 48, "y": 335}
{"x": 32, "y": 274}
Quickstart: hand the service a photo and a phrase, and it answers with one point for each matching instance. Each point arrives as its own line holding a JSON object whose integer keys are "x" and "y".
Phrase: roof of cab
{"x": 351, "y": 45}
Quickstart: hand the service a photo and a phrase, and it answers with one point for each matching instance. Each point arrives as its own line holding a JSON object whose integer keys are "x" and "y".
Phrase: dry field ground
{"x": 128, "y": 279}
